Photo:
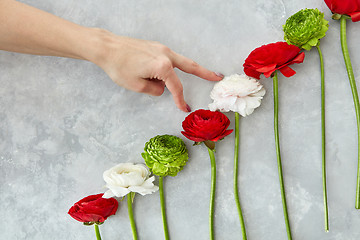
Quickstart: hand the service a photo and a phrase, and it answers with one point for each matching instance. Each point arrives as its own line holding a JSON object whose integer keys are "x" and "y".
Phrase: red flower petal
{"x": 93, "y": 208}
{"x": 252, "y": 73}
{"x": 195, "y": 139}
{"x": 271, "y": 57}
{"x": 287, "y": 71}
{"x": 203, "y": 125}
{"x": 267, "y": 68}
{"x": 299, "y": 58}
{"x": 268, "y": 74}
{"x": 348, "y": 7}
{"x": 355, "y": 16}
{"x": 227, "y": 132}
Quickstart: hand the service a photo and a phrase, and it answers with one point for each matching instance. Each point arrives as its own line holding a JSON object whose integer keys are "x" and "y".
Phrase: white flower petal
{"x": 143, "y": 191}
{"x": 212, "y": 107}
{"x": 108, "y": 194}
{"x": 240, "y": 106}
{"x": 118, "y": 191}
{"x": 252, "y": 102}
{"x": 238, "y": 93}
{"x": 146, "y": 188}
{"x": 128, "y": 177}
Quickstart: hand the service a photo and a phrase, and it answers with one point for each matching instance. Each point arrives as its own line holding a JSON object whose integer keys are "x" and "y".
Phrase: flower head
{"x": 93, "y": 209}
{"x": 205, "y": 125}
{"x": 271, "y": 57}
{"x": 128, "y": 177}
{"x": 305, "y": 28}
{"x": 347, "y": 7}
{"x": 165, "y": 155}
{"x": 237, "y": 93}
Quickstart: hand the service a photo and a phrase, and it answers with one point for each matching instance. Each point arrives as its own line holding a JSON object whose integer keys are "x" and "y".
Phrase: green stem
{"x": 350, "y": 73}
{"x": 236, "y": 166}
{"x": 212, "y": 193}
{"x": 277, "y": 145}
{"x": 163, "y": 211}
{"x": 131, "y": 215}
{"x": 97, "y": 232}
{"x": 326, "y": 213}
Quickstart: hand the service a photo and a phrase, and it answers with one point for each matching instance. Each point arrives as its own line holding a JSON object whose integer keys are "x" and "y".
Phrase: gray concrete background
{"x": 64, "y": 122}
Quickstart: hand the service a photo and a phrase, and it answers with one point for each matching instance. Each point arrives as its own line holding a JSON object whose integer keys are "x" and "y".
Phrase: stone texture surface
{"x": 63, "y": 122}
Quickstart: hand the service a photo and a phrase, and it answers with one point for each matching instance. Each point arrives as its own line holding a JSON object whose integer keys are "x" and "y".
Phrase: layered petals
{"x": 205, "y": 125}
{"x": 237, "y": 93}
{"x": 128, "y": 177}
{"x": 93, "y": 209}
{"x": 271, "y": 57}
{"x": 347, "y": 7}
{"x": 305, "y": 28}
{"x": 165, "y": 155}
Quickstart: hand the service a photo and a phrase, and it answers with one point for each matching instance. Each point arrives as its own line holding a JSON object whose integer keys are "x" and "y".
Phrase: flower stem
{"x": 350, "y": 73}
{"x": 326, "y": 214}
{"x": 163, "y": 211}
{"x": 212, "y": 193}
{"x": 236, "y": 166}
{"x": 97, "y": 232}
{"x": 131, "y": 216}
{"x": 277, "y": 145}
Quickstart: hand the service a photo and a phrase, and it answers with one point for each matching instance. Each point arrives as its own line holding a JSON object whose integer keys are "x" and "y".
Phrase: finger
{"x": 152, "y": 87}
{"x": 189, "y": 66}
{"x": 174, "y": 85}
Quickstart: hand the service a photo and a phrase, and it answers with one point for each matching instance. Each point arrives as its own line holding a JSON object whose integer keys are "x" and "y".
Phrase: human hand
{"x": 147, "y": 66}
{"x": 138, "y": 65}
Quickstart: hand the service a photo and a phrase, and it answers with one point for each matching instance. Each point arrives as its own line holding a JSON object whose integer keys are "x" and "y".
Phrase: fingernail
{"x": 188, "y": 108}
{"x": 219, "y": 74}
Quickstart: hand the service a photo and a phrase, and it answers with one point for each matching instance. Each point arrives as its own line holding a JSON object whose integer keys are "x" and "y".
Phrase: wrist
{"x": 98, "y": 45}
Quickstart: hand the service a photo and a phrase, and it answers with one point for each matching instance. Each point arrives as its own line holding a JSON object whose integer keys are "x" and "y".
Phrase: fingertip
{"x": 183, "y": 107}
{"x": 219, "y": 75}
{"x": 188, "y": 108}
{"x": 181, "y": 104}
{"x": 213, "y": 76}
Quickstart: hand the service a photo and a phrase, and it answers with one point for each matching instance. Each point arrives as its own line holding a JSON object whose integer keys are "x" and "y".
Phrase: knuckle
{"x": 161, "y": 47}
{"x": 194, "y": 64}
{"x": 193, "y": 67}
{"x": 164, "y": 64}
{"x": 164, "y": 49}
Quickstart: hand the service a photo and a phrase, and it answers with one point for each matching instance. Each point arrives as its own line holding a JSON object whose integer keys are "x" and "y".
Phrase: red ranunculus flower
{"x": 348, "y": 7}
{"x": 93, "y": 209}
{"x": 205, "y": 125}
{"x": 271, "y": 57}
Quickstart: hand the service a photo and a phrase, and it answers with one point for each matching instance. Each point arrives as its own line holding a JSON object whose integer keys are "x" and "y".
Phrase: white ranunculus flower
{"x": 237, "y": 93}
{"x": 128, "y": 177}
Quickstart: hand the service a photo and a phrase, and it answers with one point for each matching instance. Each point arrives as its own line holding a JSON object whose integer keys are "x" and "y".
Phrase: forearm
{"x": 25, "y": 29}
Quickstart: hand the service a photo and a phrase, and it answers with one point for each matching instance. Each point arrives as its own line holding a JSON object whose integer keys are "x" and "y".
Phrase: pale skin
{"x": 138, "y": 65}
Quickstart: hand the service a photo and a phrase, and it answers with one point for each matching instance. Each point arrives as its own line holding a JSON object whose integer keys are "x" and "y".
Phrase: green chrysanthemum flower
{"x": 305, "y": 28}
{"x": 165, "y": 155}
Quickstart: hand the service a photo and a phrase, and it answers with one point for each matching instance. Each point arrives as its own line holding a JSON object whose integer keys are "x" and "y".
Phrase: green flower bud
{"x": 305, "y": 28}
{"x": 165, "y": 155}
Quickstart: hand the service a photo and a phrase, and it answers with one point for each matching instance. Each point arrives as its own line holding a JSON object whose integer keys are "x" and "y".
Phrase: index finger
{"x": 189, "y": 66}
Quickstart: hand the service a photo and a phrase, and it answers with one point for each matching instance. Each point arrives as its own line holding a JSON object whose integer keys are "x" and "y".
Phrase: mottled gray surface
{"x": 63, "y": 122}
